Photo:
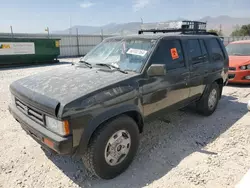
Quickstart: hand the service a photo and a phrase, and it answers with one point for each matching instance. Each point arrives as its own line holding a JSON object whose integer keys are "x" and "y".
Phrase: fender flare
{"x": 99, "y": 120}
{"x": 209, "y": 85}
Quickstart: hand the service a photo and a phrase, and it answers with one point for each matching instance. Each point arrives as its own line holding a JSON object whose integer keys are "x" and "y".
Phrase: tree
{"x": 216, "y": 31}
{"x": 244, "y": 30}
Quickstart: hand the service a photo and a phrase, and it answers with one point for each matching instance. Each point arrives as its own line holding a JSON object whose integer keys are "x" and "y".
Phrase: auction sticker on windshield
{"x": 137, "y": 52}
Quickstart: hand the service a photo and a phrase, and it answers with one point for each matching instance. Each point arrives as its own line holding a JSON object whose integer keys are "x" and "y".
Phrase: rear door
{"x": 198, "y": 62}
{"x": 217, "y": 60}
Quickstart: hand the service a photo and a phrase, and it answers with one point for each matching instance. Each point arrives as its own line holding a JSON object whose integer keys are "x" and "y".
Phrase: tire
{"x": 94, "y": 158}
{"x": 203, "y": 106}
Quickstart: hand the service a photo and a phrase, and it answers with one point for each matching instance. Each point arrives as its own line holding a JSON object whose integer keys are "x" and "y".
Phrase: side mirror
{"x": 156, "y": 70}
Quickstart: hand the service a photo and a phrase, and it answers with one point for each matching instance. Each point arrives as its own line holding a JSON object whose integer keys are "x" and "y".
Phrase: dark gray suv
{"x": 97, "y": 107}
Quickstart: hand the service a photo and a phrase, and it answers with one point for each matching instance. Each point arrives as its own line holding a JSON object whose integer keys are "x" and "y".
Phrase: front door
{"x": 172, "y": 90}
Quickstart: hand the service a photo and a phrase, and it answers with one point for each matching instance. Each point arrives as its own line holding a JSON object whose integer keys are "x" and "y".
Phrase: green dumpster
{"x": 14, "y": 51}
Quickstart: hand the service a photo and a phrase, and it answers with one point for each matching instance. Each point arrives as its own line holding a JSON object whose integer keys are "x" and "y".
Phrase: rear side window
{"x": 194, "y": 51}
{"x": 203, "y": 50}
{"x": 215, "y": 49}
{"x": 169, "y": 52}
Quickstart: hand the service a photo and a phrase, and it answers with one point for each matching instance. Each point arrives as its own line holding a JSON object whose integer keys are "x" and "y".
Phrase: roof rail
{"x": 184, "y": 27}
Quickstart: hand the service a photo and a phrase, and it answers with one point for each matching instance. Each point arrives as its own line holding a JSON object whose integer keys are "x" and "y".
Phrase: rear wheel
{"x": 209, "y": 101}
{"x": 112, "y": 148}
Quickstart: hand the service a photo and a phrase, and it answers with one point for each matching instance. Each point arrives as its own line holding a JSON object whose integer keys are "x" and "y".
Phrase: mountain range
{"x": 226, "y": 23}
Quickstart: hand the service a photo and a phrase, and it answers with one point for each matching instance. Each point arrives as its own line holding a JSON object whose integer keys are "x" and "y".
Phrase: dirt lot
{"x": 180, "y": 150}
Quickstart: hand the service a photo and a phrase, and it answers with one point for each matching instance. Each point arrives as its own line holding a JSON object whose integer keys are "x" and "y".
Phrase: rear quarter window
{"x": 215, "y": 49}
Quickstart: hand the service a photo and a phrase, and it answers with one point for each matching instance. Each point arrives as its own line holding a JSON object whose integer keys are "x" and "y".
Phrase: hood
{"x": 67, "y": 83}
{"x": 236, "y": 61}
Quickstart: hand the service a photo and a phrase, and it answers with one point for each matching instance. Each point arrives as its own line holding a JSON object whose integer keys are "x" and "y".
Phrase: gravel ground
{"x": 180, "y": 150}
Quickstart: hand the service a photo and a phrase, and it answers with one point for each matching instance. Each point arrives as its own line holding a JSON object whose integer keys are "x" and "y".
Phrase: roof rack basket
{"x": 183, "y": 27}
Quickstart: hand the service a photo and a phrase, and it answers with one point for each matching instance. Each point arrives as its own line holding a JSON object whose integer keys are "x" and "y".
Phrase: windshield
{"x": 238, "y": 49}
{"x": 126, "y": 54}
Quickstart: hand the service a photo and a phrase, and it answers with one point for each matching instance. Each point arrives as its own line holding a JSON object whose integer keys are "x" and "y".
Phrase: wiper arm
{"x": 86, "y": 63}
{"x": 112, "y": 67}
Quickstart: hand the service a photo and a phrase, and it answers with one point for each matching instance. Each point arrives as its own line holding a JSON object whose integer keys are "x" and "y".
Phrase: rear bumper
{"x": 61, "y": 145}
{"x": 239, "y": 76}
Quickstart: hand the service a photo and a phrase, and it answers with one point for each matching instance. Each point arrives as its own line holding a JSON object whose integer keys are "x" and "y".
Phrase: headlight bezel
{"x": 57, "y": 126}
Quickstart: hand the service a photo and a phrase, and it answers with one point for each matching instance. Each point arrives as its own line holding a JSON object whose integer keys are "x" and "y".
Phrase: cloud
{"x": 140, "y": 4}
{"x": 87, "y": 4}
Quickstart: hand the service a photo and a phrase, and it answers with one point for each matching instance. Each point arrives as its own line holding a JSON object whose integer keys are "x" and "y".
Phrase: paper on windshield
{"x": 137, "y": 52}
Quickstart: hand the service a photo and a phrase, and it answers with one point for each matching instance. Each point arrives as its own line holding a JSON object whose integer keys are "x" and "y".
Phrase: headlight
{"x": 60, "y": 127}
{"x": 245, "y": 67}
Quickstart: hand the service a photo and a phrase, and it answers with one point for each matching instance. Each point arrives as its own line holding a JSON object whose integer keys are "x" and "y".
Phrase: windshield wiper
{"x": 86, "y": 63}
{"x": 112, "y": 67}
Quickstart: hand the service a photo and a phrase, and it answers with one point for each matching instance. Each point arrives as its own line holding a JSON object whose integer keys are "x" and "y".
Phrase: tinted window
{"x": 169, "y": 52}
{"x": 203, "y": 47}
{"x": 194, "y": 51}
{"x": 203, "y": 50}
{"x": 216, "y": 51}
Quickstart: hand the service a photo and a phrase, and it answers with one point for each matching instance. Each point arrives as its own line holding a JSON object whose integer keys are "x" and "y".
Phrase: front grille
{"x": 30, "y": 112}
{"x": 232, "y": 68}
{"x": 231, "y": 76}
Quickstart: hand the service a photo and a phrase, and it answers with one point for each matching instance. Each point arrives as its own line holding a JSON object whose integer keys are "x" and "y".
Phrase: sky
{"x": 33, "y": 16}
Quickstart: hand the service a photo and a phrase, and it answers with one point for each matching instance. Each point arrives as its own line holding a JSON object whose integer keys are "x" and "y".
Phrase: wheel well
{"x": 136, "y": 116}
{"x": 220, "y": 83}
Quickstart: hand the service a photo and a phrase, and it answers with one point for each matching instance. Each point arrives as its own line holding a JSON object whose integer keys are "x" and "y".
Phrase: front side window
{"x": 126, "y": 54}
{"x": 235, "y": 49}
{"x": 169, "y": 52}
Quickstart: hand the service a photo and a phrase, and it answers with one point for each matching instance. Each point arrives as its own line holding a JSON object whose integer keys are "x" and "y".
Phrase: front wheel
{"x": 112, "y": 148}
{"x": 209, "y": 101}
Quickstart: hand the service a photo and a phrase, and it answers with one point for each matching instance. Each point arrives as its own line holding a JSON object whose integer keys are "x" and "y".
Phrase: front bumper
{"x": 61, "y": 145}
{"x": 239, "y": 76}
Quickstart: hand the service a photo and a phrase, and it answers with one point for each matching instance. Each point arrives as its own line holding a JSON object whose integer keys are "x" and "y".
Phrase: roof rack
{"x": 184, "y": 27}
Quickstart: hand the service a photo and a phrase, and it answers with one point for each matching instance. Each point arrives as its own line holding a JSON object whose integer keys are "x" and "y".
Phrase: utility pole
{"x": 102, "y": 34}
{"x": 220, "y": 31}
{"x": 77, "y": 40}
{"x": 11, "y": 29}
{"x": 47, "y": 30}
{"x": 70, "y": 24}
{"x": 141, "y": 22}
